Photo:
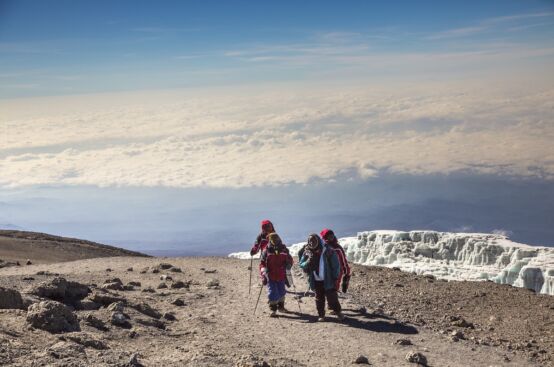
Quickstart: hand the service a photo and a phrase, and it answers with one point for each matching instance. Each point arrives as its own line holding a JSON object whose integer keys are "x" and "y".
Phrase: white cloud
{"x": 237, "y": 138}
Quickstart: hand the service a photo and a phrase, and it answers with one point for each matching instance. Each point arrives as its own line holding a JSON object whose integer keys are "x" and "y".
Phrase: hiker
{"x": 261, "y": 240}
{"x": 344, "y": 276}
{"x": 321, "y": 262}
{"x": 274, "y": 262}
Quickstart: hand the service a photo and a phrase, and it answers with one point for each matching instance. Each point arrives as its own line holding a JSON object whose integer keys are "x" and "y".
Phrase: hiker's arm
{"x": 254, "y": 250}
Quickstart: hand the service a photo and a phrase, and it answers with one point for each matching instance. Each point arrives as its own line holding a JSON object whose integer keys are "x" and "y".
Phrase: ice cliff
{"x": 453, "y": 256}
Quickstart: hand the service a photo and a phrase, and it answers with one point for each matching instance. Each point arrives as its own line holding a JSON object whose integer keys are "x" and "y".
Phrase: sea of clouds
{"x": 244, "y": 137}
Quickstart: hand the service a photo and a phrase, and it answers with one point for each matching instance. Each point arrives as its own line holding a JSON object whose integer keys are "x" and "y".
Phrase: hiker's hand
{"x": 264, "y": 280}
{"x": 253, "y": 252}
{"x": 345, "y": 282}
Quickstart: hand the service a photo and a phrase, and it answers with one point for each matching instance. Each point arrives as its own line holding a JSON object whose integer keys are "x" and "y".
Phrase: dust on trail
{"x": 216, "y": 326}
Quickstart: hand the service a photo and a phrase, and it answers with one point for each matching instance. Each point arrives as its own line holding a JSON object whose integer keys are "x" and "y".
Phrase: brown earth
{"x": 42, "y": 248}
{"x": 216, "y": 325}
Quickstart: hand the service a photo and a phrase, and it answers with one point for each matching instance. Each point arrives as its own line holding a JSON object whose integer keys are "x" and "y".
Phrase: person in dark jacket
{"x": 321, "y": 263}
{"x": 344, "y": 276}
{"x": 274, "y": 262}
{"x": 261, "y": 240}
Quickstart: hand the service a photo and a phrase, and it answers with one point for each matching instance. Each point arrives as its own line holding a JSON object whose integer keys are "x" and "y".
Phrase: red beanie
{"x": 325, "y": 232}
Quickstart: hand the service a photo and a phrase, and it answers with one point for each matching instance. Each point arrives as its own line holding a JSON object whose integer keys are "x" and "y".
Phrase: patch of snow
{"x": 452, "y": 256}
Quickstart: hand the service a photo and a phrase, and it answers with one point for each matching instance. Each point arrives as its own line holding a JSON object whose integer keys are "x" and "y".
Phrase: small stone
{"x": 116, "y": 306}
{"x": 165, "y": 277}
{"x": 403, "y": 342}
{"x": 128, "y": 287}
{"x": 95, "y": 322}
{"x": 151, "y": 322}
{"x": 109, "y": 270}
{"x": 135, "y": 283}
{"x": 29, "y": 262}
{"x": 179, "y": 284}
{"x": 416, "y": 357}
{"x": 169, "y": 316}
{"x": 120, "y": 319}
{"x": 133, "y": 361}
{"x": 161, "y": 286}
{"x": 175, "y": 270}
{"x": 149, "y": 290}
{"x": 178, "y": 302}
{"x": 146, "y": 309}
{"x": 113, "y": 286}
{"x": 211, "y": 271}
{"x": 130, "y": 269}
{"x": 361, "y": 360}
{"x": 213, "y": 283}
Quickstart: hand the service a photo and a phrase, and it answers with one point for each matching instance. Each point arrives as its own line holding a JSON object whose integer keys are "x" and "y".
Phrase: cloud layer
{"x": 245, "y": 137}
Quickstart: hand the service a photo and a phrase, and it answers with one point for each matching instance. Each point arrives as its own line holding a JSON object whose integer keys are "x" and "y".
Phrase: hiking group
{"x": 322, "y": 258}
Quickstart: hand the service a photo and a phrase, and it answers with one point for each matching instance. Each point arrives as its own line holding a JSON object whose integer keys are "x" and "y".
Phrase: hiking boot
{"x": 321, "y": 319}
{"x": 340, "y": 316}
{"x": 273, "y": 313}
{"x": 281, "y": 308}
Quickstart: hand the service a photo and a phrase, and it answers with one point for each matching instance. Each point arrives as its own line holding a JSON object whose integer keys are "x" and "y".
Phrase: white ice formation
{"x": 453, "y": 256}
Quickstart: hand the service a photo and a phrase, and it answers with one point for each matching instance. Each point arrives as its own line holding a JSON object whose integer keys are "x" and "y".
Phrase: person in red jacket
{"x": 344, "y": 276}
{"x": 261, "y": 240}
{"x": 274, "y": 261}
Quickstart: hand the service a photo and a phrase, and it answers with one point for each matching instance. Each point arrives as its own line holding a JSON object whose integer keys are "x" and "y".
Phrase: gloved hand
{"x": 345, "y": 283}
{"x": 253, "y": 251}
{"x": 264, "y": 280}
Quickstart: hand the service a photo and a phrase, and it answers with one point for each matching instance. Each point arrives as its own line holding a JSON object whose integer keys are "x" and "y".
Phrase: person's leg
{"x": 333, "y": 300}
{"x": 283, "y": 293}
{"x": 273, "y": 296}
{"x": 320, "y": 298}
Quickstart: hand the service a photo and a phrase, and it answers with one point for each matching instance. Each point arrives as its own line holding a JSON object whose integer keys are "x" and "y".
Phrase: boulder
{"x": 52, "y": 316}
{"x": 59, "y": 289}
{"x": 10, "y": 298}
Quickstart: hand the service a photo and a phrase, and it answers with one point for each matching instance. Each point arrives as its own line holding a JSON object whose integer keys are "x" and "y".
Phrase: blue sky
{"x": 164, "y": 124}
{"x": 66, "y": 47}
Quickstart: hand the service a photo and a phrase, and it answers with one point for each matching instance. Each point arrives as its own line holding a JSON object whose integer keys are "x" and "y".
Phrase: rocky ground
{"x": 132, "y": 311}
{"x": 21, "y": 247}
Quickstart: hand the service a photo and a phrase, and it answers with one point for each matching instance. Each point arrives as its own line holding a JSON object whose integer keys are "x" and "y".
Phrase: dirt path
{"x": 216, "y": 325}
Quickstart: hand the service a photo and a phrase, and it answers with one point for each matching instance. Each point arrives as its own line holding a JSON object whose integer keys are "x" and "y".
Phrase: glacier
{"x": 451, "y": 256}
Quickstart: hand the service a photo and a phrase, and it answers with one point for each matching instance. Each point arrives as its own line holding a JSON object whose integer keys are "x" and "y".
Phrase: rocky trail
{"x": 133, "y": 311}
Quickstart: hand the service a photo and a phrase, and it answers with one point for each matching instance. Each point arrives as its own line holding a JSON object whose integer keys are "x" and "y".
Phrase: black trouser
{"x": 332, "y": 298}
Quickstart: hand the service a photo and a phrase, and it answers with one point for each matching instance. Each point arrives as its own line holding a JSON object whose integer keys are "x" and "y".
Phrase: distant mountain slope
{"x": 45, "y": 248}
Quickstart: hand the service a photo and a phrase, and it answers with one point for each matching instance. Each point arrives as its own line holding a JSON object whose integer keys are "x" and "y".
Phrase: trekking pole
{"x": 250, "y": 281}
{"x": 262, "y": 287}
{"x": 296, "y": 293}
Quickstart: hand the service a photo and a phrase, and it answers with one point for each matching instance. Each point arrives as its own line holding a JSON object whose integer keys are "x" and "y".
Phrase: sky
{"x": 231, "y": 112}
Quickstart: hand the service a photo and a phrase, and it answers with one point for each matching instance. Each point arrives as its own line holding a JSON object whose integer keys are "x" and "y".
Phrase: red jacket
{"x": 274, "y": 262}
